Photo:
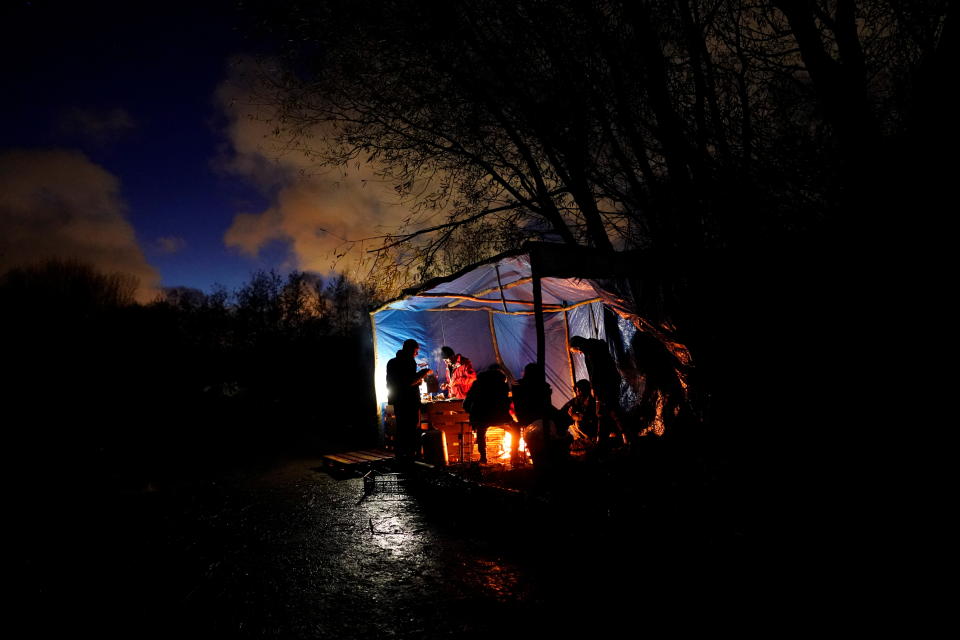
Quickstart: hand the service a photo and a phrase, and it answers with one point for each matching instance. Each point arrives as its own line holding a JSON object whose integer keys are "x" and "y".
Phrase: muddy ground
{"x": 284, "y": 549}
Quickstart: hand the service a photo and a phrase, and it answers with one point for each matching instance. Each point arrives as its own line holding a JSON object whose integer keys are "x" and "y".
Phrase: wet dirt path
{"x": 304, "y": 559}
{"x": 285, "y": 552}
{"x": 288, "y": 551}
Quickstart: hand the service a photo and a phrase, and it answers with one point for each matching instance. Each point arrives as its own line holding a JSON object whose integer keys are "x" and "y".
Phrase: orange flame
{"x": 505, "y": 446}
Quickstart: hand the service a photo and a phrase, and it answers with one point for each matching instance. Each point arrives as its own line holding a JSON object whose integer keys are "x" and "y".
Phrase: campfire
{"x": 506, "y": 441}
{"x": 499, "y": 442}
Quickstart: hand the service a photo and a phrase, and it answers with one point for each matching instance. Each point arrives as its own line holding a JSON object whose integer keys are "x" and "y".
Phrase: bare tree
{"x": 679, "y": 125}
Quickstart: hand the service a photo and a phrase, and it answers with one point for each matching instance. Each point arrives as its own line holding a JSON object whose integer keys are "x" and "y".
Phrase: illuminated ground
{"x": 287, "y": 551}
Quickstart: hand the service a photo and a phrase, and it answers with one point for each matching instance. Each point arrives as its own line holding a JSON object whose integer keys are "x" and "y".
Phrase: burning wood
{"x": 505, "y": 446}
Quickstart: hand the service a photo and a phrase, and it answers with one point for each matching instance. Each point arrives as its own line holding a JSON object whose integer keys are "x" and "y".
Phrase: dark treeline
{"x": 107, "y": 390}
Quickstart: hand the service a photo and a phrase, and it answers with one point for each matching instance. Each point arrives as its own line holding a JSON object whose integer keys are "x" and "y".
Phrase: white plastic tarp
{"x": 486, "y": 313}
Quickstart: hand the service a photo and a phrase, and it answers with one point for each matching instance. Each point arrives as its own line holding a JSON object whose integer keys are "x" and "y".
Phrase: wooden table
{"x": 448, "y": 417}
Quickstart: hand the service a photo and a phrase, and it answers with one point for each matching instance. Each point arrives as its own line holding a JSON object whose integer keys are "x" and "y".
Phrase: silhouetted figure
{"x": 531, "y": 395}
{"x": 605, "y": 379}
{"x": 403, "y": 384}
{"x": 488, "y": 403}
{"x": 460, "y": 373}
{"x": 531, "y": 403}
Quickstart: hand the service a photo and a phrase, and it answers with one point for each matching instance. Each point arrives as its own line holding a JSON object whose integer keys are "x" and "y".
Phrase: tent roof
{"x": 503, "y": 283}
{"x": 584, "y": 282}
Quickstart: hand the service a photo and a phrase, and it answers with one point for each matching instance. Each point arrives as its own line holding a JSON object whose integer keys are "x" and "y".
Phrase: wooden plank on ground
{"x": 379, "y": 453}
{"x": 353, "y": 456}
{"x": 365, "y": 456}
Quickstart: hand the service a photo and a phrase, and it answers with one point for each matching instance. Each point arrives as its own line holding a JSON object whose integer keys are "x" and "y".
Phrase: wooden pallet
{"x": 356, "y": 459}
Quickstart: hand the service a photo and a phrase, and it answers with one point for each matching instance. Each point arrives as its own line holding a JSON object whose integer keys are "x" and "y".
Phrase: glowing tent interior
{"x": 518, "y": 307}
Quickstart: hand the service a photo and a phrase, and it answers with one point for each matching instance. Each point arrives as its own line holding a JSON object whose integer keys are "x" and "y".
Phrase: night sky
{"x": 125, "y": 142}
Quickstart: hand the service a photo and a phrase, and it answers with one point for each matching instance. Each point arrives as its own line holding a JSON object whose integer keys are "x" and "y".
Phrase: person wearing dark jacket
{"x": 403, "y": 385}
{"x": 488, "y": 403}
{"x": 535, "y": 412}
{"x": 605, "y": 379}
{"x": 531, "y": 395}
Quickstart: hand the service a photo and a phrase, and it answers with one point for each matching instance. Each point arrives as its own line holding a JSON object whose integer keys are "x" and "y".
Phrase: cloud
{"x": 322, "y": 215}
{"x": 95, "y": 125}
{"x": 169, "y": 244}
{"x": 57, "y": 203}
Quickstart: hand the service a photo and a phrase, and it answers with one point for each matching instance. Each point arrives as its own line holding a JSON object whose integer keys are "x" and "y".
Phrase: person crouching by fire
{"x": 403, "y": 385}
{"x": 460, "y": 373}
{"x": 605, "y": 379}
{"x": 582, "y": 411}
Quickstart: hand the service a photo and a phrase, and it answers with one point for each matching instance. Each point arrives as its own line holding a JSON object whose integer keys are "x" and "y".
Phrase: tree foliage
{"x": 675, "y": 125}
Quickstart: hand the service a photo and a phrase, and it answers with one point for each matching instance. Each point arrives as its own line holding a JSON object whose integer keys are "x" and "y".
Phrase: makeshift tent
{"x": 515, "y": 308}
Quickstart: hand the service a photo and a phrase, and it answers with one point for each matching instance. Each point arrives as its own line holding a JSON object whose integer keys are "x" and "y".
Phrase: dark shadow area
{"x": 287, "y": 551}
{"x": 115, "y": 396}
{"x": 124, "y": 421}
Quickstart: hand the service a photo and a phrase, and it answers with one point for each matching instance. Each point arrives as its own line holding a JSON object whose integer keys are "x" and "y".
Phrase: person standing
{"x": 403, "y": 385}
{"x": 460, "y": 373}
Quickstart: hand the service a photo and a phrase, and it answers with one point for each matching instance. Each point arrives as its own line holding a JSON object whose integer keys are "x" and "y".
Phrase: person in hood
{"x": 403, "y": 385}
{"x": 460, "y": 373}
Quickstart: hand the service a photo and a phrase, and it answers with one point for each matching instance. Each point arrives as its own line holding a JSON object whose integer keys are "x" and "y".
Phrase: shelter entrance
{"x": 516, "y": 308}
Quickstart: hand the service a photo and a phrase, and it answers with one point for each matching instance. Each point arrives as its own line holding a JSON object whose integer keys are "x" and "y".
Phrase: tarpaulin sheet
{"x": 467, "y": 332}
{"x": 586, "y": 321}
{"x": 517, "y": 341}
{"x": 487, "y": 311}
